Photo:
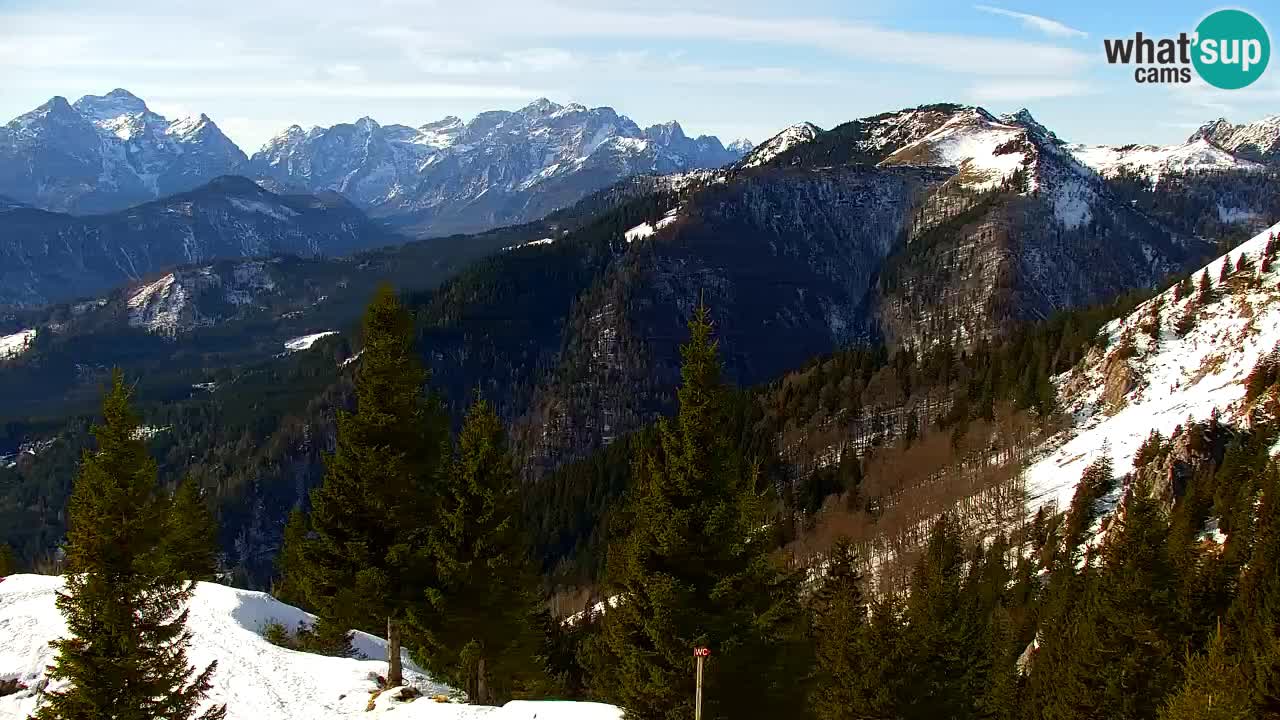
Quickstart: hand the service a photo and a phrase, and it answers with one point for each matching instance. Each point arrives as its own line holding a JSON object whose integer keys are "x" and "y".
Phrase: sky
{"x": 732, "y": 68}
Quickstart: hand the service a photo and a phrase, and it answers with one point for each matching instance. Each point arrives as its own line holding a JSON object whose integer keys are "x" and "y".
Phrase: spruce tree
{"x": 479, "y": 631}
{"x": 367, "y": 563}
{"x": 1204, "y": 294}
{"x": 290, "y": 583}
{"x": 1137, "y": 605}
{"x": 1214, "y": 688}
{"x": 948, "y": 628}
{"x": 125, "y": 653}
{"x": 691, "y": 566}
{"x": 190, "y": 543}
{"x": 8, "y": 561}
{"x": 840, "y": 632}
{"x": 1255, "y": 612}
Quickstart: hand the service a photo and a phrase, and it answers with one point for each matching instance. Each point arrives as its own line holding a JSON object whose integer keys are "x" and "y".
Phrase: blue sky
{"x": 734, "y": 69}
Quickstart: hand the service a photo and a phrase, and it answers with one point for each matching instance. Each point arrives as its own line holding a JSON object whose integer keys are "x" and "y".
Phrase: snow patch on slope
{"x": 1173, "y": 380}
{"x": 647, "y": 229}
{"x": 983, "y": 150}
{"x": 17, "y": 343}
{"x": 254, "y": 679}
{"x": 304, "y": 342}
{"x": 1198, "y": 155}
{"x": 780, "y": 143}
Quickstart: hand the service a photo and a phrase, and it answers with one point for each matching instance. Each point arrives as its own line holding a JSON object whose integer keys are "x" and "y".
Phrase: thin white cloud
{"x": 865, "y": 41}
{"x": 1036, "y": 22}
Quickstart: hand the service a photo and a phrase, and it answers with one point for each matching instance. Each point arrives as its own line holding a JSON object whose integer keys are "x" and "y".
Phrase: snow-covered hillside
{"x": 255, "y": 679}
{"x": 17, "y": 343}
{"x": 983, "y": 149}
{"x": 1196, "y": 155}
{"x": 769, "y": 149}
{"x": 1115, "y": 401}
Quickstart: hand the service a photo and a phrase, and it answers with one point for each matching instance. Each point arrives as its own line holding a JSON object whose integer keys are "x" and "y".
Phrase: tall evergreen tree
{"x": 1204, "y": 293}
{"x": 840, "y": 633}
{"x": 949, "y": 644}
{"x": 367, "y": 562}
{"x": 291, "y": 561}
{"x": 1136, "y": 603}
{"x": 1214, "y": 688}
{"x": 691, "y": 566}
{"x": 190, "y": 542}
{"x": 479, "y": 631}
{"x": 1255, "y": 613}
{"x": 8, "y": 561}
{"x": 125, "y": 653}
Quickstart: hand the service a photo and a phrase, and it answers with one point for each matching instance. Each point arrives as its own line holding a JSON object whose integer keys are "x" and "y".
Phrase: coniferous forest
{"x": 1116, "y": 608}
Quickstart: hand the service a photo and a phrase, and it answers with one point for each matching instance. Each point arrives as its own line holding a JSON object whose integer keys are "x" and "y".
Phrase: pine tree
{"x": 125, "y": 654}
{"x": 1225, "y": 273}
{"x": 1136, "y": 603}
{"x": 1187, "y": 320}
{"x": 1204, "y": 294}
{"x": 1183, "y": 289}
{"x": 691, "y": 566}
{"x": 8, "y": 561}
{"x": 948, "y": 628}
{"x": 190, "y": 543}
{"x": 1214, "y": 688}
{"x": 291, "y": 567}
{"x": 367, "y": 563}
{"x": 1255, "y": 613}
{"x": 479, "y": 631}
{"x": 841, "y": 638}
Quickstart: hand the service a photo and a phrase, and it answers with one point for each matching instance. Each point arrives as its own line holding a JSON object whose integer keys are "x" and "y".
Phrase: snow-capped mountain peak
{"x": 769, "y": 149}
{"x": 106, "y": 152}
{"x": 984, "y": 149}
{"x": 1024, "y": 118}
{"x": 500, "y": 167}
{"x": 109, "y": 107}
{"x": 1256, "y": 141}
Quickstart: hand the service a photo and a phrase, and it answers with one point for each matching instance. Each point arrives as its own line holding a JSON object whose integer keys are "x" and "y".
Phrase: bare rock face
{"x": 1191, "y": 450}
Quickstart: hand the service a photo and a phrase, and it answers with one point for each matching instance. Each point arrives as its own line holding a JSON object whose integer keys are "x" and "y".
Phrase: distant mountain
{"x": 108, "y": 152}
{"x": 1257, "y": 141}
{"x": 49, "y": 257}
{"x": 1154, "y": 161}
{"x": 778, "y": 144}
{"x": 500, "y": 168}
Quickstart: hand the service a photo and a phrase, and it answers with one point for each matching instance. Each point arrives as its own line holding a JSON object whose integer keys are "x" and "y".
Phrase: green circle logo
{"x": 1232, "y": 49}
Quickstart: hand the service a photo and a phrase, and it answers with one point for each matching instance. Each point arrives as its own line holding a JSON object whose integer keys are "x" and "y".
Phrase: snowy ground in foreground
{"x": 1178, "y": 378}
{"x": 256, "y": 680}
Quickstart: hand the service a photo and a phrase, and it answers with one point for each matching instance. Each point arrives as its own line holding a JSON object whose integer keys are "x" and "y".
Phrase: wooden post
{"x": 701, "y": 653}
{"x": 394, "y": 676}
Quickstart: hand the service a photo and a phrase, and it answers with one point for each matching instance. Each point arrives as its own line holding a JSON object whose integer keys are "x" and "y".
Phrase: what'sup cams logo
{"x": 1229, "y": 50}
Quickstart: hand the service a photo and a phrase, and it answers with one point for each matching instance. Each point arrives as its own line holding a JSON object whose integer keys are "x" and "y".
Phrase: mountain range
{"x": 50, "y": 257}
{"x": 106, "y": 153}
{"x": 934, "y": 227}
